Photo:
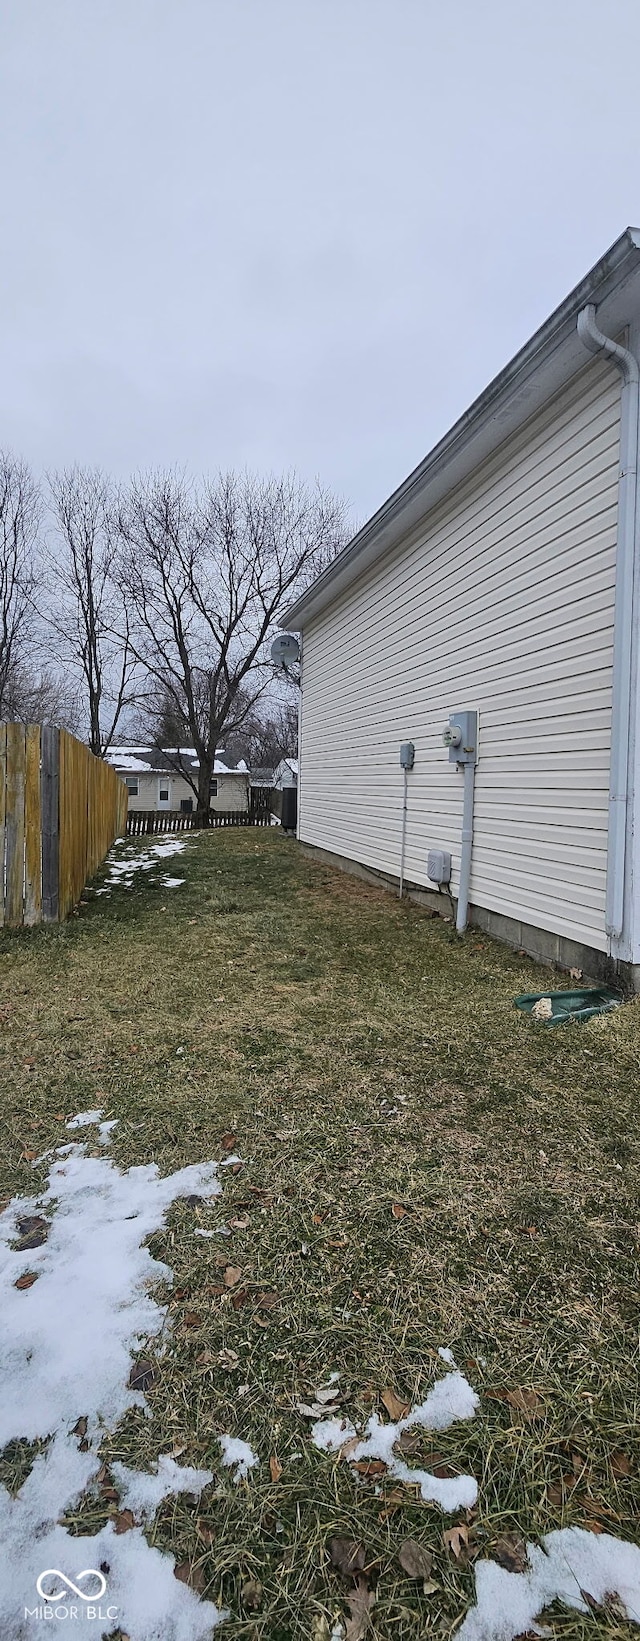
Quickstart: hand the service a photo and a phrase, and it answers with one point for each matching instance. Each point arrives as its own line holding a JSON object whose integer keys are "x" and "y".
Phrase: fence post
{"x": 33, "y": 828}
{"x": 3, "y": 784}
{"x": 15, "y": 823}
{"x": 49, "y": 803}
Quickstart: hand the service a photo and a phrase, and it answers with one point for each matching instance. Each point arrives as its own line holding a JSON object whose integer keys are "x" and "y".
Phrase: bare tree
{"x": 86, "y": 613}
{"x": 268, "y": 734}
{"x": 205, "y": 574}
{"x": 41, "y": 697}
{"x": 20, "y": 514}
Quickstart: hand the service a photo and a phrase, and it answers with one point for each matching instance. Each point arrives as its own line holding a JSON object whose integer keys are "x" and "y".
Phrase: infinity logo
{"x": 70, "y": 1587}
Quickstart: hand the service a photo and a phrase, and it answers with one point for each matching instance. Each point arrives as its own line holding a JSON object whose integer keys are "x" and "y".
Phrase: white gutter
{"x": 596, "y": 342}
{"x": 462, "y": 909}
{"x": 539, "y": 370}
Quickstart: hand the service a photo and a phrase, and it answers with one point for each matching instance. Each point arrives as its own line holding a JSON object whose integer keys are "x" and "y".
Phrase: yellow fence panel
{"x": 32, "y": 828}
{"x": 60, "y": 810}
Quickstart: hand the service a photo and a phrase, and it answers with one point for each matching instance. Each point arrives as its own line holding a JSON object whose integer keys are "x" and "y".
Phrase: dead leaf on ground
{"x": 526, "y": 1400}
{"x": 370, "y": 1467}
{"x": 239, "y": 1224}
{"x": 27, "y": 1280}
{"x": 326, "y": 1393}
{"x": 232, "y": 1275}
{"x": 395, "y": 1407}
{"x": 80, "y": 1427}
{"x": 235, "y": 1167}
{"x": 510, "y": 1551}
{"x": 408, "y": 1442}
{"x": 398, "y": 1210}
{"x": 266, "y": 1301}
{"x": 33, "y": 1231}
{"x": 557, "y": 1491}
{"x": 251, "y": 1593}
{"x": 28, "y": 1156}
{"x": 228, "y": 1141}
{"x": 360, "y": 1603}
{"x": 415, "y": 1561}
{"x": 315, "y": 1410}
{"x": 347, "y": 1556}
{"x": 456, "y": 1541}
{"x": 275, "y": 1467}
{"x": 142, "y": 1375}
{"x": 124, "y": 1521}
{"x": 191, "y": 1575}
{"x": 621, "y": 1464}
{"x": 206, "y": 1533}
{"x": 228, "y": 1359}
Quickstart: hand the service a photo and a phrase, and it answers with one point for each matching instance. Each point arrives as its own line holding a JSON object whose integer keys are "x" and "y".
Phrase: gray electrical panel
{"x": 407, "y": 755}
{"x": 461, "y": 737}
{"x": 439, "y": 866}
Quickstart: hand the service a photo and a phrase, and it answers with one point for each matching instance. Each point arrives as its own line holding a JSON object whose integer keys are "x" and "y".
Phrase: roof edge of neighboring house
{"x": 541, "y": 368}
{"x": 132, "y": 761}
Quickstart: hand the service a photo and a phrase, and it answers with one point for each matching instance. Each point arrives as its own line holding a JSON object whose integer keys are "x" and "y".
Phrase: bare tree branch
{"x": 205, "y": 574}
{"x": 20, "y": 514}
{"x": 86, "y": 614}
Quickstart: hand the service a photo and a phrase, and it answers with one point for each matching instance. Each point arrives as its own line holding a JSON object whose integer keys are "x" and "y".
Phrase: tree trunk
{"x": 204, "y": 792}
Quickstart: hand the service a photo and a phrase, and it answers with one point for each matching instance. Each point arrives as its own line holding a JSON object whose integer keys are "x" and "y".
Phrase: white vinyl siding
{"x": 503, "y": 602}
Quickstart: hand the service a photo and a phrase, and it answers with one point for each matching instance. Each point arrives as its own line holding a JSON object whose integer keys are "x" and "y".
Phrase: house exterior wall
{"x": 503, "y": 602}
{"x": 232, "y": 792}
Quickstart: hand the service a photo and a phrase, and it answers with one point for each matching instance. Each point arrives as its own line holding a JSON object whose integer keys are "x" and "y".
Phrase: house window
{"x": 213, "y": 787}
{"x": 186, "y": 805}
{"x": 164, "y": 793}
{"x": 132, "y": 785}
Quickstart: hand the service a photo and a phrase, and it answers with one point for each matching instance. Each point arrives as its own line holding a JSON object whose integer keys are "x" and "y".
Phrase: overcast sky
{"x": 295, "y": 233}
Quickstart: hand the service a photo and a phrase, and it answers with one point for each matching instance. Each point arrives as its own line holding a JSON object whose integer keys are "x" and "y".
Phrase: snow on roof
{"x": 140, "y": 760}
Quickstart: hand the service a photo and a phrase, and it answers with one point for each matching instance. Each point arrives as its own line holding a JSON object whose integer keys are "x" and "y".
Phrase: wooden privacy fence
{"x": 180, "y": 820}
{"x": 60, "y": 810}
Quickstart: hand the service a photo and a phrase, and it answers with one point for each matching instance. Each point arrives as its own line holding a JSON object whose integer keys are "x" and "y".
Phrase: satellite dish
{"x": 285, "y": 650}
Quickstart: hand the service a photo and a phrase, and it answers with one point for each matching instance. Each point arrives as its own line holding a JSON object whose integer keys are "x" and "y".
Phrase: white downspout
{"x": 596, "y": 342}
{"x": 462, "y": 909}
{"x": 403, "y": 844}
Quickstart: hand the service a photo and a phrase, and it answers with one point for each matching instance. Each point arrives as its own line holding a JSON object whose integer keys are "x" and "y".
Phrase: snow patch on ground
{"x": 121, "y": 870}
{"x": 237, "y": 1455}
{"x": 84, "y": 1119}
{"x": 66, "y": 1354}
{"x": 568, "y": 1564}
{"x": 142, "y": 1492}
{"x": 172, "y": 882}
{"x": 451, "y": 1398}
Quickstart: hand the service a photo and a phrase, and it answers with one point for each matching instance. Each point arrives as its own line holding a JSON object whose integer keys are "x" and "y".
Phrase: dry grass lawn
{"x": 366, "y": 1061}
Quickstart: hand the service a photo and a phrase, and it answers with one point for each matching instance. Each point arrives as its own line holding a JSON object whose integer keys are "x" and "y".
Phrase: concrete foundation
{"x": 541, "y": 944}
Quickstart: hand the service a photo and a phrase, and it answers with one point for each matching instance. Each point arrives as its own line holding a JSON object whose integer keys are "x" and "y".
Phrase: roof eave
{"x": 549, "y": 359}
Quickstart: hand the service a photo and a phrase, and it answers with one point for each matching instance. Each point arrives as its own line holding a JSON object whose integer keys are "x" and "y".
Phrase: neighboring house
{"x": 155, "y": 779}
{"x": 262, "y": 777}
{"x": 500, "y": 578}
{"x": 286, "y": 773}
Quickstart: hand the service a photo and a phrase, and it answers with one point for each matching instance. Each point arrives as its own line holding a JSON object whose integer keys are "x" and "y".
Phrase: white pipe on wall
{"x": 462, "y": 909}
{"x": 596, "y": 342}
{"x": 404, "y": 831}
